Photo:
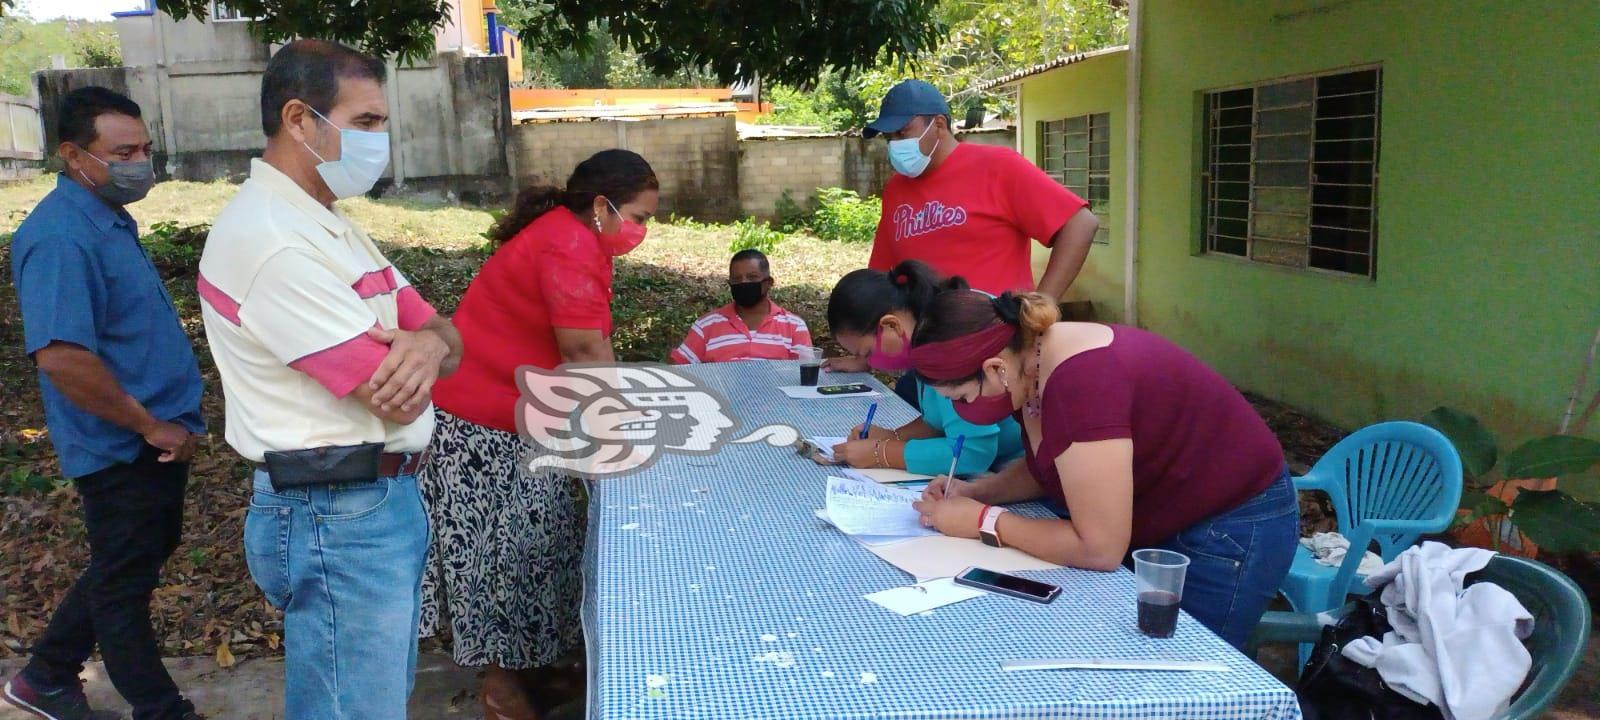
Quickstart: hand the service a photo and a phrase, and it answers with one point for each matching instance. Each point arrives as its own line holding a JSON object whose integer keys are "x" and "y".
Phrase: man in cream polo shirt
{"x": 327, "y": 357}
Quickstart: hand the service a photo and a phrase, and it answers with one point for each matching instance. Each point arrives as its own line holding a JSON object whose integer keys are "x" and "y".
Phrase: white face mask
{"x": 363, "y": 156}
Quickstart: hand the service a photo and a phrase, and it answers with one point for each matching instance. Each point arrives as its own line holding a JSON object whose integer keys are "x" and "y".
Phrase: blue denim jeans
{"x": 1238, "y": 559}
{"x": 344, "y": 563}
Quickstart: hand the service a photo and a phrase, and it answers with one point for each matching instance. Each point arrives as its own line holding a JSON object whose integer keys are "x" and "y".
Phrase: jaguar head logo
{"x": 607, "y": 420}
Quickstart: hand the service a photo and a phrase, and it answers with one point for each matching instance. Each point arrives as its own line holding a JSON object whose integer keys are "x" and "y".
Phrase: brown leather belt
{"x": 391, "y": 464}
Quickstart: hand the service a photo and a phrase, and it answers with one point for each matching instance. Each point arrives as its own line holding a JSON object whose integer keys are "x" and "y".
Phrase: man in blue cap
{"x": 968, "y": 209}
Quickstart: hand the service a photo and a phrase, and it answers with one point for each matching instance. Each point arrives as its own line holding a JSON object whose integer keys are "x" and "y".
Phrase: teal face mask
{"x": 905, "y": 154}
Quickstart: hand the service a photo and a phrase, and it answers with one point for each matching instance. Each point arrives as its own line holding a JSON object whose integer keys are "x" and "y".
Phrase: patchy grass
{"x": 207, "y": 601}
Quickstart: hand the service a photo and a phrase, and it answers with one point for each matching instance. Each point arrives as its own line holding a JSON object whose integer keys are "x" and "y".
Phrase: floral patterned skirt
{"x": 504, "y": 573}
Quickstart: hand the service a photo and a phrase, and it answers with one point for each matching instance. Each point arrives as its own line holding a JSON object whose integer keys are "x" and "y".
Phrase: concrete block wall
{"x": 448, "y": 120}
{"x": 695, "y": 159}
{"x": 769, "y": 167}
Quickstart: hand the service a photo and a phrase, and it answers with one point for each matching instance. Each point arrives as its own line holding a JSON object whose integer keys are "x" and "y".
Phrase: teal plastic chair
{"x": 1389, "y": 483}
{"x": 1560, "y": 636}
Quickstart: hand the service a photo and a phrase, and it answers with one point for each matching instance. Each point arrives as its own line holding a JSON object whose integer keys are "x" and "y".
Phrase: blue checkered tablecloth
{"x": 711, "y": 591}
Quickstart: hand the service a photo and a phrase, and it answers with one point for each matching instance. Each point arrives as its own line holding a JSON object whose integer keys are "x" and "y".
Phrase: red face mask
{"x": 880, "y": 360}
{"x": 985, "y": 409}
{"x": 625, "y": 239}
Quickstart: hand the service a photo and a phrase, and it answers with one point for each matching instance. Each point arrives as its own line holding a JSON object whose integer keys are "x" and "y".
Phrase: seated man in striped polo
{"x": 752, "y": 327}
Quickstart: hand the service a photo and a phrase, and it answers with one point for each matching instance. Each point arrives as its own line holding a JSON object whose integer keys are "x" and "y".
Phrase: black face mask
{"x": 748, "y": 294}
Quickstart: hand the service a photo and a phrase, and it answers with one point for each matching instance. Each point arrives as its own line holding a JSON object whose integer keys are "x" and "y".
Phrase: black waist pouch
{"x": 324, "y": 465}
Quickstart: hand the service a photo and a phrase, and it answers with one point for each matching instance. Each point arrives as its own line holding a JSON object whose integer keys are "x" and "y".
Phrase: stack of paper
{"x": 885, "y": 475}
{"x": 860, "y": 508}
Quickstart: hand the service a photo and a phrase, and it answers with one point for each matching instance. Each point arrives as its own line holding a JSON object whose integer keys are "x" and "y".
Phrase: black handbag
{"x": 1333, "y": 687}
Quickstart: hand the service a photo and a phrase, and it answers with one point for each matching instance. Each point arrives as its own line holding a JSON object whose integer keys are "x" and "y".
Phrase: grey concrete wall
{"x": 695, "y": 159}
{"x": 448, "y": 120}
{"x": 21, "y": 138}
{"x": 157, "y": 39}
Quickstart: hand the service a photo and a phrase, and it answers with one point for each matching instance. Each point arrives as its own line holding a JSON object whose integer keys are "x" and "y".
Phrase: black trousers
{"x": 133, "y": 513}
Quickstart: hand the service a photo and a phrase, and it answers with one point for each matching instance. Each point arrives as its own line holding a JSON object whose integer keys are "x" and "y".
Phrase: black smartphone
{"x": 1017, "y": 587}
{"x": 845, "y": 389}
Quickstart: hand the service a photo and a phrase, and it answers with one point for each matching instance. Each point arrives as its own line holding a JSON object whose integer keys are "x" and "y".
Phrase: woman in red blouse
{"x": 504, "y": 567}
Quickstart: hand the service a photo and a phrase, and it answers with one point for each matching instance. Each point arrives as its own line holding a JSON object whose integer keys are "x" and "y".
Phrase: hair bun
{"x": 1008, "y": 307}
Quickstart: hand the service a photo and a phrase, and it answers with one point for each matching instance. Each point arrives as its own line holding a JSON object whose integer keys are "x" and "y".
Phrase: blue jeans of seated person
{"x": 344, "y": 563}
{"x": 1238, "y": 559}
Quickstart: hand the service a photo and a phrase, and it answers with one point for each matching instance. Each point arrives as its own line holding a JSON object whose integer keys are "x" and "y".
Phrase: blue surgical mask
{"x": 905, "y": 154}
{"x": 363, "y": 155}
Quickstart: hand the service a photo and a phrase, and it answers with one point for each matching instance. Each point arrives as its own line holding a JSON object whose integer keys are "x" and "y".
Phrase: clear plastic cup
{"x": 1159, "y": 575}
{"x": 810, "y": 364}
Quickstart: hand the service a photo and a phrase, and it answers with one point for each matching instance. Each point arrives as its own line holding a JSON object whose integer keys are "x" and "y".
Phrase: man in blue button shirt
{"x": 122, "y": 401}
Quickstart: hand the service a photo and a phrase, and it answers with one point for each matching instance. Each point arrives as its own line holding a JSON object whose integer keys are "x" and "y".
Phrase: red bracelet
{"x": 981, "y": 513}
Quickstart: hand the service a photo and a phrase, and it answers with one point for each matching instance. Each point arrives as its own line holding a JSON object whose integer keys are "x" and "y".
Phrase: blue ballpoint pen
{"x": 955, "y": 457}
{"x": 866, "y": 426}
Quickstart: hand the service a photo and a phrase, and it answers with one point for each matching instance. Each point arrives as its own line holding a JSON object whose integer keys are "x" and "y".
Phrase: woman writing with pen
{"x": 1144, "y": 445}
{"x": 874, "y": 314}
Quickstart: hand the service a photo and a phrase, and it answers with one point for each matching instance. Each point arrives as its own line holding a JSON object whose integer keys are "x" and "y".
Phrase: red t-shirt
{"x": 1199, "y": 448}
{"x": 973, "y": 216}
{"x": 551, "y": 274}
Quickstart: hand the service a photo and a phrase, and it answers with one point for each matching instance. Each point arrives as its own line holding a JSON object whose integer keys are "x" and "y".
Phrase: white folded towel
{"x": 1329, "y": 549}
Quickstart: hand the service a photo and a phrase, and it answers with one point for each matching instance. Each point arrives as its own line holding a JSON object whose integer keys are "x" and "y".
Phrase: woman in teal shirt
{"x": 873, "y": 314}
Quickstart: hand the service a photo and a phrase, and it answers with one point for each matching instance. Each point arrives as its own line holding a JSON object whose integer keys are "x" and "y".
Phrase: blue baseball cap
{"x": 904, "y": 101}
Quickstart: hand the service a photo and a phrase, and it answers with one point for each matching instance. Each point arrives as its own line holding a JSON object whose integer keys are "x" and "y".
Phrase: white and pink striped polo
{"x": 721, "y": 336}
{"x": 289, "y": 289}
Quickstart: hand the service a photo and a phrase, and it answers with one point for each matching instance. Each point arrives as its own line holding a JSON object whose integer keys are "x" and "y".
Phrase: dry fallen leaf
{"x": 224, "y": 655}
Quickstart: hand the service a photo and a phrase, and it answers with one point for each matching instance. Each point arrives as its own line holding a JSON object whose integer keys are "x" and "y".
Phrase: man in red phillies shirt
{"x": 968, "y": 209}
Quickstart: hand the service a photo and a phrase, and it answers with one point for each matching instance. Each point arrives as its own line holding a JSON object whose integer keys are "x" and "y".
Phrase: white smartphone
{"x": 1017, "y": 587}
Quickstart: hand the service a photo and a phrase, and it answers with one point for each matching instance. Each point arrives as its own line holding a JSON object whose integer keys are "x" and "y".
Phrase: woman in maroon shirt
{"x": 1143, "y": 444}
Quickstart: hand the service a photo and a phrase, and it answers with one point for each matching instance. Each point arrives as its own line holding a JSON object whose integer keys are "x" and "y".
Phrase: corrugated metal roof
{"x": 1059, "y": 62}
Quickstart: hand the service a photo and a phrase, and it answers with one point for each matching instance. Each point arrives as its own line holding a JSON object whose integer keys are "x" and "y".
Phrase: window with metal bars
{"x": 1291, "y": 172}
{"x": 1076, "y": 152}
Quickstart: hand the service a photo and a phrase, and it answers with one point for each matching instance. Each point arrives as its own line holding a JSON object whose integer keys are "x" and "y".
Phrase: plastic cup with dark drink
{"x": 1158, "y": 575}
{"x": 810, "y": 365}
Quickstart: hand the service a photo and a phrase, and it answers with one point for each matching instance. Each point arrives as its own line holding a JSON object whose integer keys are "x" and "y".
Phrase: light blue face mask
{"x": 363, "y": 155}
{"x": 905, "y": 154}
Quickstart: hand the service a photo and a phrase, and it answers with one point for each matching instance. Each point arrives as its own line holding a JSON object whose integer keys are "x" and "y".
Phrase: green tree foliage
{"x": 97, "y": 47}
{"x": 26, "y": 46}
{"x": 986, "y": 40}
{"x": 790, "y": 41}
{"x": 402, "y": 29}
{"x": 784, "y": 40}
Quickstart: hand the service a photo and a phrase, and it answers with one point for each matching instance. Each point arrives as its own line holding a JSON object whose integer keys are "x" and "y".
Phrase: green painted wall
{"x": 1488, "y": 262}
{"x": 1094, "y": 85}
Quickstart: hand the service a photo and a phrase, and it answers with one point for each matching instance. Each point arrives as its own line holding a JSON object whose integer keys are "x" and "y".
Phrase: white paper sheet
{"x": 886, "y": 475}
{"x": 825, "y": 445}
{"x": 923, "y": 597}
{"x": 809, "y": 392}
{"x": 925, "y": 558}
{"x": 867, "y": 508}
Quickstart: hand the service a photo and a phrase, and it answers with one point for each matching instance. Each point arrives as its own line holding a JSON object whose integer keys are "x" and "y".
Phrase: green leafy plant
{"x": 175, "y": 249}
{"x": 96, "y": 46}
{"x": 1558, "y": 522}
{"x": 844, "y": 216}
{"x": 790, "y": 216}
{"x": 753, "y": 235}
